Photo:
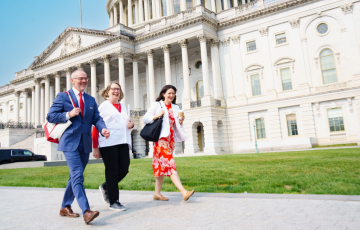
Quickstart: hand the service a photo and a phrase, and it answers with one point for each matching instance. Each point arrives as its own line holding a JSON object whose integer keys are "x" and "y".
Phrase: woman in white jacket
{"x": 115, "y": 149}
{"x": 171, "y": 131}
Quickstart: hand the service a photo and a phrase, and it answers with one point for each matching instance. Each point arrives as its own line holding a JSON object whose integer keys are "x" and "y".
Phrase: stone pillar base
{"x": 207, "y": 101}
{"x": 185, "y": 104}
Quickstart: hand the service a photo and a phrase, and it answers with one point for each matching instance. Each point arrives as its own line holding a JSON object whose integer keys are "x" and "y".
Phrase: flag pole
{"x": 80, "y": 16}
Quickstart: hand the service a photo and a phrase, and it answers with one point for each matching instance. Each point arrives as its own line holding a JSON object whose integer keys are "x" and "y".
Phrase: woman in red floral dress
{"x": 171, "y": 132}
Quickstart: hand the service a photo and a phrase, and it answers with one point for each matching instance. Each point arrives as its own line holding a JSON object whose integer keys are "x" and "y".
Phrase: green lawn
{"x": 333, "y": 171}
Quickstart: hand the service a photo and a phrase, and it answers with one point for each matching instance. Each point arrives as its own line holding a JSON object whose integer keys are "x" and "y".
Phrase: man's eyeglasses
{"x": 81, "y": 78}
{"x": 115, "y": 89}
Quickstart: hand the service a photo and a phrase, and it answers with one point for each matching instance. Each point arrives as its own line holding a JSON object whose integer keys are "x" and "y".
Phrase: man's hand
{"x": 96, "y": 153}
{"x": 105, "y": 133}
{"x": 130, "y": 124}
{"x": 74, "y": 112}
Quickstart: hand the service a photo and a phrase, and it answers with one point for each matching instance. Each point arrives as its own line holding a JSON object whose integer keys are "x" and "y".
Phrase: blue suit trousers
{"x": 77, "y": 161}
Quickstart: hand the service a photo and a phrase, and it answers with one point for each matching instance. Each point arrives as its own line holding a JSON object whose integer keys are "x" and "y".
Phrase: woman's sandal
{"x": 188, "y": 195}
{"x": 161, "y": 197}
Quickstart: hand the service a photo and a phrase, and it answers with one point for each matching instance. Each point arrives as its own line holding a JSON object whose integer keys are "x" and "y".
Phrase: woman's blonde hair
{"x": 105, "y": 92}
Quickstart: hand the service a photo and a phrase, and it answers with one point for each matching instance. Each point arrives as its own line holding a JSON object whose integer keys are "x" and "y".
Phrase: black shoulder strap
{"x": 160, "y": 104}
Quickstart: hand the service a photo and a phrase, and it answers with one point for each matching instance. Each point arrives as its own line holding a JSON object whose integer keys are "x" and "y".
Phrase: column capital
{"x": 150, "y": 53}
{"x": 295, "y": 23}
{"x": 7, "y": 102}
{"x": 121, "y": 53}
{"x": 93, "y": 62}
{"x": 202, "y": 38}
{"x": 264, "y": 31}
{"x": 106, "y": 58}
{"x": 214, "y": 43}
{"x": 80, "y": 66}
{"x": 183, "y": 43}
{"x": 236, "y": 39}
{"x": 57, "y": 73}
{"x": 347, "y": 8}
{"x": 225, "y": 41}
{"x": 32, "y": 88}
{"x": 37, "y": 80}
{"x": 17, "y": 93}
{"x": 166, "y": 48}
{"x": 134, "y": 57}
{"x": 68, "y": 70}
{"x": 42, "y": 86}
{"x": 47, "y": 78}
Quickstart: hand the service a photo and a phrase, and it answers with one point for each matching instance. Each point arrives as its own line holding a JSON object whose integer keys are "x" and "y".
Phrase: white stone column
{"x": 42, "y": 104}
{"x": 28, "y": 109}
{"x": 226, "y": 5}
{"x": 57, "y": 82}
{"x": 16, "y": 106}
{"x": 205, "y": 65}
{"x": 121, "y": 14}
{"x": 94, "y": 93}
{"x": 33, "y": 105}
{"x": 235, "y": 3}
{"x": 25, "y": 105}
{"x": 213, "y": 6}
{"x": 130, "y": 15}
{"x": 226, "y": 70}
{"x": 111, "y": 18}
{"x": 168, "y": 8}
{"x": 7, "y": 111}
{"x": 186, "y": 98}
{"x": 37, "y": 102}
{"x": 146, "y": 9}
{"x": 121, "y": 56}
{"x": 183, "y": 5}
{"x": 146, "y": 106}
{"x": 52, "y": 93}
{"x": 115, "y": 15}
{"x": 135, "y": 58}
{"x": 243, "y": 2}
{"x": 215, "y": 61}
{"x": 136, "y": 12}
{"x": 47, "y": 96}
{"x": 268, "y": 67}
{"x": 153, "y": 8}
{"x": 236, "y": 66}
{"x": 141, "y": 11}
{"x": 166, "y": 49}
{"x": 150, "y": 54}
{"x": 106, "y": 59}
{"x": 68, "y": 72}
{"x": 80, "y": 66}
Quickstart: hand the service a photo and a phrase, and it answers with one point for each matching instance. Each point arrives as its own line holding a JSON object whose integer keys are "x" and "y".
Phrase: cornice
{"x": 7, "y": 92}
{"x": 22, "y": 79}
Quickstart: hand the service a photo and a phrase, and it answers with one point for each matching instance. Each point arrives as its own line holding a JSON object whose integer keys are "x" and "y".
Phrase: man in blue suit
{"x": 76, "y": 141}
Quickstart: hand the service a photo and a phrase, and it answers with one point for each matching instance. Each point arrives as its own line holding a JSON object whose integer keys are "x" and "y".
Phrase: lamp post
{"x": 256, "y": 147}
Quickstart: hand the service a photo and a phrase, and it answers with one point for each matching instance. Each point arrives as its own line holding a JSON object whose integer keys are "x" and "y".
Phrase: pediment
{"x": 69, "y": 41}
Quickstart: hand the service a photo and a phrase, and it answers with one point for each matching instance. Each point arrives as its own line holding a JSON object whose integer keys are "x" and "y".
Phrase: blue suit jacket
{"x": 70, "y": 139}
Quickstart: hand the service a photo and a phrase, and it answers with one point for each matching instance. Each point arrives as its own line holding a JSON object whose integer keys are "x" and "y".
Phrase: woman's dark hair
{"x": 164, "y": 90}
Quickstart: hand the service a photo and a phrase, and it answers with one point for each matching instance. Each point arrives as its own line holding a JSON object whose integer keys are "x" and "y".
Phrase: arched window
{"x": 134, "y": 14}
{"x": 176, "y": 6}
{"x": 328, "y": 68}
{"x": 164, "y": 8}
{"x": 189, "y": 4}
{"x": 143, "y": 6}
{"x": 199, "y": 90}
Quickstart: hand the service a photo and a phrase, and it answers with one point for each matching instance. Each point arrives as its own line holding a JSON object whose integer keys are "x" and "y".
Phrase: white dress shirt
{"x": 76, "y": 92}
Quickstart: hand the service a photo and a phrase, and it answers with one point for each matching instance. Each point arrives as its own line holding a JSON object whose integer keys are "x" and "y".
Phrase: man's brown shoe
{"x": 67, "y": 211}
{"x": 90, "y": 215}
{"x": 188, "y": 195}
{"x": 161, "y": 197}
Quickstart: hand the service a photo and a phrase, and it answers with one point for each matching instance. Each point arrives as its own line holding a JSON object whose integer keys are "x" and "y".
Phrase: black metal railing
{"x": 40, "y": 133}
{"x": 17, "y": 125}
{"x": 194, "y": 104}
{"x": 217, "y": 102}
{"x": 137, "y": 113}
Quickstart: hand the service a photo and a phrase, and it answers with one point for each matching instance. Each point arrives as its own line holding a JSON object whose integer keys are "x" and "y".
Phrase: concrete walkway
{"x": 38, "y": 208}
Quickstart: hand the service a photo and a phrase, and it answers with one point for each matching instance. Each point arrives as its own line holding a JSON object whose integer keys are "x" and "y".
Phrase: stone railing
{"x": 194, "y": 104}
{"x": 269, "y": 1}
{"x": 40, "y": 133}
{"x": 137, "y": 113}
{"x": 18, "y": 125}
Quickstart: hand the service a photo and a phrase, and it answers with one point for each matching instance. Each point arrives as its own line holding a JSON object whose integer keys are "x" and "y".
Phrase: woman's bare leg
{"x": 159, "y": 182}
{"x": 176, "y": 180}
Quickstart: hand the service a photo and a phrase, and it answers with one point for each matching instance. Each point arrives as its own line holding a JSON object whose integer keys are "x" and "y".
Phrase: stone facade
{"x": 289, "y": 67}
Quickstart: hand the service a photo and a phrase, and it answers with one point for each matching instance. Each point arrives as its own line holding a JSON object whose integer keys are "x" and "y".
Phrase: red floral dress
{"x": 163, "y": 161}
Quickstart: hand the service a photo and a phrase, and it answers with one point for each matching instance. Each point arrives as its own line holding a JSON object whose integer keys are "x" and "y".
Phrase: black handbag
{"x": 151, "y": 132}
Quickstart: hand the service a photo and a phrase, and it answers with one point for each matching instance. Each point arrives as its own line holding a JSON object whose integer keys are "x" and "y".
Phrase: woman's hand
{"x": 96, "y": 153}
{"x": 130, "y": 124}
{"x": 160, "y": 114}
{"x": 181, "y": 119}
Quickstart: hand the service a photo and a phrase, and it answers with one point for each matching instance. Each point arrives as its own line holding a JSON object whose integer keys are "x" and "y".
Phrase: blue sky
{"x": 29, "y": 26}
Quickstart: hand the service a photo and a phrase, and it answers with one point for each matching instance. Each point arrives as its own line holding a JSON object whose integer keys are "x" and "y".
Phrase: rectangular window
{"x": 286, "y": 79}
{"x": 292, "y": 125}
{"x": 280, "y": 38}
{"x": 11, "y": 108}
{"x": 336, "y": 121}
{"x": 251, "y": 46}
{"x": 255, "y": 85}
{"x": 21, "y": 105}
{"x": 260, "y": 128}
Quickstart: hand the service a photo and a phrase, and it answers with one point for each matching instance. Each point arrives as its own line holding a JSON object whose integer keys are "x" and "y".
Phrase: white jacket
{"x": 116, "y": 123}
{"x": 179, "y": 132}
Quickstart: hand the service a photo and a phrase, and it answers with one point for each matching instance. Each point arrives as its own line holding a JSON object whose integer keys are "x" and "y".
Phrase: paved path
{"x": 38, "y": 208}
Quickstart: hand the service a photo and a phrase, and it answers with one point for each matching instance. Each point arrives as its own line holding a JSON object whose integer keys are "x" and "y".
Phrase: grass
{"x": 338, "y": 145}
{"x": 333, "y": 171}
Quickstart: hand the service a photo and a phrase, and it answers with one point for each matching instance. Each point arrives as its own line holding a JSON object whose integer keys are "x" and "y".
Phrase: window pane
{"x": 336, "y": 121}
{"x": 286, "y": 79}
{"x": 189, "y": 4}
{"x": 164, "y": 8}
{"x": 260, "y": 128}
{"x": 327, "y": 62}
{"x": 292, "y": 125}
{"x": 251, "y": 46}
{"x": 134, "y": 15}
{"x": 326, "y": 52}
{"x": 329, "y": 76}
{"x": 280, "y": 38}
{"x": 328, "y": 68}
{"x": 322, "y": 28}
{"x": 176, "y": 6}
{"x": 27, "y": 153}
{"x": 255, "y": 84}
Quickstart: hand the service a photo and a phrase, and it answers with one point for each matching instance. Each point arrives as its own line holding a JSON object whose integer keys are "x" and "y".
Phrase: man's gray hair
{"x": 77, "y": 71}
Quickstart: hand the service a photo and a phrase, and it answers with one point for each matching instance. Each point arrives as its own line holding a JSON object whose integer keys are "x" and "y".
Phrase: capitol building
{"x": 283, "y": 73}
